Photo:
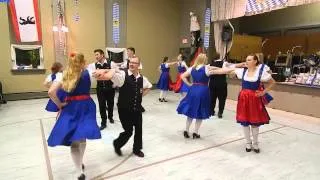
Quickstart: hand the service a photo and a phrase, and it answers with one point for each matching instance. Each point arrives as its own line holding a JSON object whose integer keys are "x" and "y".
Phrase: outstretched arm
{"x": 172, "y": 63}
{"x": 221, "y": 71}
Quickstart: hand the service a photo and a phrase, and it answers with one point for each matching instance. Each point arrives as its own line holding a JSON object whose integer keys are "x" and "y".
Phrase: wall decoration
{"x": 207, "y": 21}
{"x": 60, "y": 31}
{"x": 76, "y": 15}
{"x": 25, "y": 20}
{"x": 116, "y": 23}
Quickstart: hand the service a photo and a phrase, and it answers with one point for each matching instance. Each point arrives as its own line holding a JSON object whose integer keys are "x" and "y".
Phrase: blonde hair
{"x": 72, "y": 73}
{"x": 201, "y": 59}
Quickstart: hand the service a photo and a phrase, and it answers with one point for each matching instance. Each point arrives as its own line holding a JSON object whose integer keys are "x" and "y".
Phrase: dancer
{"x": 133, "y": 86}
{"x": 131, "y": 52}
{"x": 164, "y": 80}
{"x": 77, "y": 120}
{"x": 219, "y": 87}
{"x": 251, "y": 111}
{"x": 55, "y": 76}
{"x": 180, "y": 86}
{"x": 196, "y": 104}
{"x": 105, "y": 89}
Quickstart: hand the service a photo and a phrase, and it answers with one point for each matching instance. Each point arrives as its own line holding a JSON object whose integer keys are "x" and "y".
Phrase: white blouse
{"x": 266, "y": 76}
{"x": 58, "y": 77}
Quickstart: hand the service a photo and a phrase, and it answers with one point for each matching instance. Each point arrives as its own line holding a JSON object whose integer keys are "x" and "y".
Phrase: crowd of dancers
{"x": 69, "y": 93}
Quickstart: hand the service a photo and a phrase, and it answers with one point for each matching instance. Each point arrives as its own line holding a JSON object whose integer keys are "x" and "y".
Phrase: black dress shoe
{"x": 102, "y": 127}
{"x": 186, "y": 134}
{"x": 82, "y": 177}
{"x": 164, "y": 100}
{"x": 160, "y": 100}
{"x": 248, "y": 149}
{"x": 195, "y": 136}
{"x": 116, "y": 149}
{"x": 219, "y": 116}
{"x": 138, "y": 153}
{"x": 256, "y": 150}
{"x": 111, "y": 120}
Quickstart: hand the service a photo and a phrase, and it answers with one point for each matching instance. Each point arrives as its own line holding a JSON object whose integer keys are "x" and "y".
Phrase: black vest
{"x": 130, "y": 94}
{"x": 104, "y": 84}
{"x": 218, "y": 80}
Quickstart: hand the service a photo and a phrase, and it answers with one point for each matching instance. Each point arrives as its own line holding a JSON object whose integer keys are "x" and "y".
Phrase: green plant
{"x": 34, "y": 57}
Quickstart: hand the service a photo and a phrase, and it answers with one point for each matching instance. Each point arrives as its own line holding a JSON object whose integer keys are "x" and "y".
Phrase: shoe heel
{"x": 195, "y": 136}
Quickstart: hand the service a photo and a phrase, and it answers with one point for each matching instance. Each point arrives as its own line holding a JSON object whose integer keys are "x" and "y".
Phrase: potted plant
{"x": 34, "y": 58}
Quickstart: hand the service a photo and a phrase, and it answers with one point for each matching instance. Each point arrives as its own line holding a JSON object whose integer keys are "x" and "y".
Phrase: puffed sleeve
{"x": 239, "y": 72}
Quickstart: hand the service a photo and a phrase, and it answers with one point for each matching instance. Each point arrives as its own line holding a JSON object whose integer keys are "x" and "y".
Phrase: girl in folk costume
{"x": 196, "y": 104}
{"x": 180, "y": 86}
{"x": 251, "y": 111}
{"x": 77, "y": 119}
{"x": 164, "y": 80}
{"x": 55, "y": 76}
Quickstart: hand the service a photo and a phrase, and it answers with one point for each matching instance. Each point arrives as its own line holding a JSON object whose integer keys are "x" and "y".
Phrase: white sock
{"x": 82, "y": 146}
{"x": 76, "y": 156}
{"x": 188, "y": 124}
{"x": 255, "y": 133}
{"x": 246, "y": 132}
{"x": 165, "y": 94}
{"x": 161, "y": 94}
{"x": 198, "y": 124}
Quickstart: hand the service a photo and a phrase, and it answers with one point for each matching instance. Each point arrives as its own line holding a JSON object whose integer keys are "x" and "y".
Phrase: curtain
{"x": 227, "y": 9}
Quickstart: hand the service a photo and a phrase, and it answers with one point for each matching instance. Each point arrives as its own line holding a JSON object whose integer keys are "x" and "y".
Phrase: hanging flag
{"x": 207, "y": 22}
{"x": 25, "y": 20}
{"x": 116, "y": 23}
{"x": 4, "y": 1}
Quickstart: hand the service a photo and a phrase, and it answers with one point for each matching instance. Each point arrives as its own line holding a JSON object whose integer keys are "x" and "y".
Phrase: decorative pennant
{"x": 59, "y": 31}
{"x": 116, "y": 23}
{"x": 207, "y": 21}
{"x": 25, "y": 20}
{"x": 76, "y": 15}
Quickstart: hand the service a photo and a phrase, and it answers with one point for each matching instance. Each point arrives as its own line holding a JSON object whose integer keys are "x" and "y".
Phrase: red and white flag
{"x": 25, "y": 20}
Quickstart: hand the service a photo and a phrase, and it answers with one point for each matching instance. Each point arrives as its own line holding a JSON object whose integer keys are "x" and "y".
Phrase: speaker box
{"x": 226, "y": 34}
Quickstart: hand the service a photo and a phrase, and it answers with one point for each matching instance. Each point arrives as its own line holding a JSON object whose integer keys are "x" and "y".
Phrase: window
{"x": 27, "y": 56}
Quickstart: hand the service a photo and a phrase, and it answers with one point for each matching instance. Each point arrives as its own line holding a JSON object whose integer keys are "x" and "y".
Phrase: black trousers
{"x": 129, "y": 120}
{"x": 220, "y": 93}
{"x": 105, "y": 96}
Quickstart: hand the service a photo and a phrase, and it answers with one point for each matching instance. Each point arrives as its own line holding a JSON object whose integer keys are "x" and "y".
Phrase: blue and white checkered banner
{"x": 207, "y": 21}
{"x": 260, "y": 6}
{"x": 116, "y": 23}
